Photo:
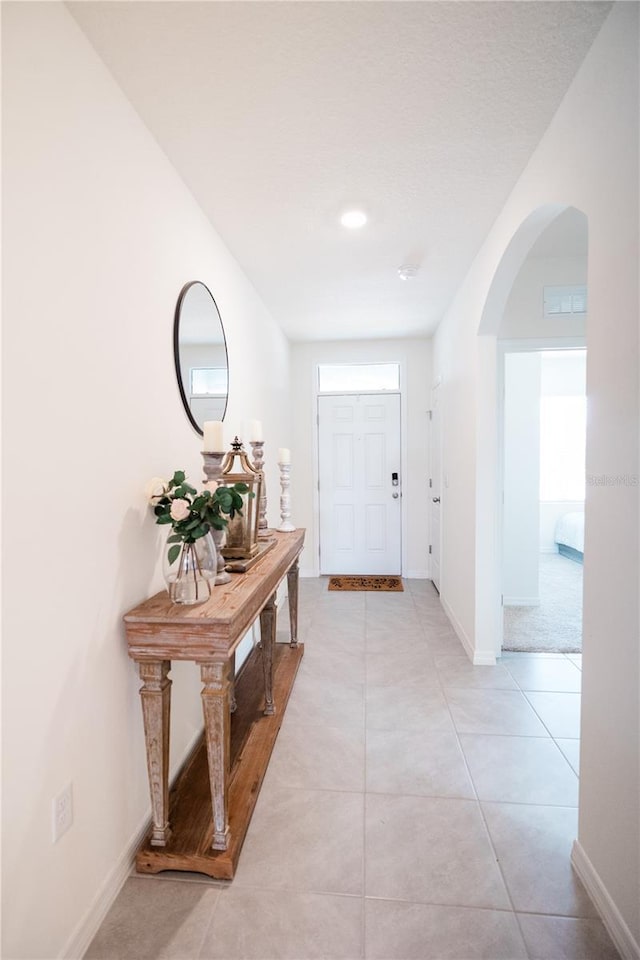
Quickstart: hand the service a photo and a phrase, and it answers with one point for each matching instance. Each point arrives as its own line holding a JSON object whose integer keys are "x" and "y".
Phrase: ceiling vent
{"x": 565, "y": 301}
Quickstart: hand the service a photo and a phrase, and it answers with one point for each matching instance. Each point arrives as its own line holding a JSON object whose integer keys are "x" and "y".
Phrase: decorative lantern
{"x": 242, "y": 531}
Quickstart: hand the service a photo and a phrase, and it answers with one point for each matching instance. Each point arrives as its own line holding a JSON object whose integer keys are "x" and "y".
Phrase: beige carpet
{"x": 556, "y": 625}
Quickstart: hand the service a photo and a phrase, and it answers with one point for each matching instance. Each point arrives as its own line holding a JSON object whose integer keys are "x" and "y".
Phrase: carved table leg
{"x": 267, "y": 642}
{"x": 232, "y": 683}
{"x": 215, "y": 706}
{"x": 292, "y": 589}
{"x": 155, "y": 695}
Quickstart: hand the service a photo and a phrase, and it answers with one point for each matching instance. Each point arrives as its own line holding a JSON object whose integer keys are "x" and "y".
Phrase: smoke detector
{"x": 407, "y": 271}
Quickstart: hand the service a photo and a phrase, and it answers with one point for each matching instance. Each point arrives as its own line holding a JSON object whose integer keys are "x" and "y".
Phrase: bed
{"x": 569, "y": 535}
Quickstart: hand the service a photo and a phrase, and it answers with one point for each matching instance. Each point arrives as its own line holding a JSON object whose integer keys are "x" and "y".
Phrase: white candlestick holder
{"x": 257, "y": 450}
{"x": 213, "y": 471}
{"x": 285, "y": 498}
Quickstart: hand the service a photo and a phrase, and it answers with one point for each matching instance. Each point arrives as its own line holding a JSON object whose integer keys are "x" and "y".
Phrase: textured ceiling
{"x": 279, "y": 115}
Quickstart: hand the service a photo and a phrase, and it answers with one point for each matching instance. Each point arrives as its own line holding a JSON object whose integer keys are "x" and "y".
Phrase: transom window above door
{"x": 358, "y": 377}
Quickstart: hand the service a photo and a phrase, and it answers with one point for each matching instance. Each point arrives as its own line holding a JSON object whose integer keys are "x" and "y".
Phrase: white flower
{"x": 211, "y": 486}
{"x": 155, "y": 490}
{"x": 180, "y": 509}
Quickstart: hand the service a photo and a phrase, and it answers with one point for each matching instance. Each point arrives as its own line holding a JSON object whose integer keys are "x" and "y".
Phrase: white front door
{"x": 360, "y": 491}
{"x": 434, "y": 486}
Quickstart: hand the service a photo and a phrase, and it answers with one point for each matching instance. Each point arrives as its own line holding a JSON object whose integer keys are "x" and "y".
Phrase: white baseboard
{"x": 78, "y": 943}
{"x": 625, "y": 942}
{"x": 521, "y": 601}
{"x": 420, "y": 573}
{"x": 479, "y": 658}
{"x": 484, "y": 658}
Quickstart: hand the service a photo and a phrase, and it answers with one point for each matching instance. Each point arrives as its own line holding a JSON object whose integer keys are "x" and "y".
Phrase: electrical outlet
{"x": 62, "y": 810}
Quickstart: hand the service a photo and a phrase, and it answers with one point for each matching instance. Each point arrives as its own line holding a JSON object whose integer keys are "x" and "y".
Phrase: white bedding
{"x": 570, "y": 530}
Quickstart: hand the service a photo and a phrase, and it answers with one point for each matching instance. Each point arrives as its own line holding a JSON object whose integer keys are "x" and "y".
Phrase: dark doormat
{"x": 366, "y": 583}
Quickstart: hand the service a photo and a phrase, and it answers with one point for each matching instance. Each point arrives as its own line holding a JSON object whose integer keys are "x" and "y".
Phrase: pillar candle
{"x": 284, "y": 455}
{"x": 213, "y": 436}
{"x": 254, "y": 431}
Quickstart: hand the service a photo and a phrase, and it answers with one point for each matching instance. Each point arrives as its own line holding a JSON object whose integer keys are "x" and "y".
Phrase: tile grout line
{"x": 363, "y": 922}
{"x": 484, "y": 821}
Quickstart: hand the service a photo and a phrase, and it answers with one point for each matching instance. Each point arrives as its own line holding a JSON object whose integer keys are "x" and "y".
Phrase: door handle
{"x": 436, "y": 499}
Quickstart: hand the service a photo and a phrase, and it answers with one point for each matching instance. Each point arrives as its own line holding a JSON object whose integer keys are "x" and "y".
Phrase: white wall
{"x": 524, "y": 311}
{"x": 100, "y": 235}
{"x": 588, "y": 158}
{"x": 521, "y": 520}
{"x": 415, "y": 359}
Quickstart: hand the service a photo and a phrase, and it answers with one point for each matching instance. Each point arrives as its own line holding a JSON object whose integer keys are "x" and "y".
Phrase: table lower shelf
{"x": 252, "y": 739}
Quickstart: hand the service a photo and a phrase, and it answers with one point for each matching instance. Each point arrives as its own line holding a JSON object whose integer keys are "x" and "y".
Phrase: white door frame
{"x": 316, "y": 455}
{"x": 437, "y": 383}
{"x": 529, "y": 345}
{"x": 391, "y": 402}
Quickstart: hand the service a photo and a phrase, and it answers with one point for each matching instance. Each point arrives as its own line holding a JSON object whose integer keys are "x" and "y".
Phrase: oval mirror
{"x": 200, "y": 353}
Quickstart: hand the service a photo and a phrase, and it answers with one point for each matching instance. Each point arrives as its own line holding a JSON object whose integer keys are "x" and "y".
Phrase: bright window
{"x": 208, "y": 381}
{"x": 563, "y": 432}
{"x": 357, "y": 377}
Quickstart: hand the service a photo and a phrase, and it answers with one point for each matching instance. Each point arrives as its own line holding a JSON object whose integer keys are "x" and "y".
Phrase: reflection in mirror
{"x": 200, "y": 353}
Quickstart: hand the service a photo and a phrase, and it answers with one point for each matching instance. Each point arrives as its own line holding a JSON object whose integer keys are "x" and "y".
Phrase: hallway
{"x": 415, "y": 806}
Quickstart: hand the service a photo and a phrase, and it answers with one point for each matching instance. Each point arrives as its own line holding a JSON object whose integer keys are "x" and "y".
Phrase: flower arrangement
{"x": 192, "y": 514}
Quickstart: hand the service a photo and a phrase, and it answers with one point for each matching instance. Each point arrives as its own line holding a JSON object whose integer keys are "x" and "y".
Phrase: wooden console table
{"x": 202, "y": 825}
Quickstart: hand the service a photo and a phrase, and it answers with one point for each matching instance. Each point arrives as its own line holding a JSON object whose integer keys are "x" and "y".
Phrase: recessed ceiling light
{"x": 353, "y": 219}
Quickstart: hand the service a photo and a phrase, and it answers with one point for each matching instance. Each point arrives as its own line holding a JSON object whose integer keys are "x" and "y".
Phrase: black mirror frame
{"x": 176, "y": 352}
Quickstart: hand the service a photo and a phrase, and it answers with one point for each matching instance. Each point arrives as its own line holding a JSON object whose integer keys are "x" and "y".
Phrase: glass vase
{"x": 191, "y": 576}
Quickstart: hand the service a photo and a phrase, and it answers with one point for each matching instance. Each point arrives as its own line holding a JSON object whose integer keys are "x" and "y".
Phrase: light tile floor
{"x": 415, "y": 806}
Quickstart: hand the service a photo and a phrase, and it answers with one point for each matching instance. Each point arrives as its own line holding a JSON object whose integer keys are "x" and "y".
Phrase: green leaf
{"x": 165, "y": 518}
{"x": 179, "y": 477}
{"x": 173, "y": 553}
{"x": 175, "y": 538}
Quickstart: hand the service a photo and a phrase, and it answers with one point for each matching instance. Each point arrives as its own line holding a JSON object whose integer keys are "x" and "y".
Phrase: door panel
{"x": 359, "y": 449}
{"x": 374, "y": 461}
{"x": 343, "y": 466}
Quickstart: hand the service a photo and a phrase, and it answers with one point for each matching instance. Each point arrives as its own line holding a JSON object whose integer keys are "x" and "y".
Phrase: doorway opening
{"x": 359, "y": 469}
{"x": 544, "y": 439}
{"x": 360, "y": 484}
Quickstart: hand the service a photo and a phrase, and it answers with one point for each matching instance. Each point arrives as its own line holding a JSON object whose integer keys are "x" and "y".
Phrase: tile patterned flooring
{"x": 415, "y": 806}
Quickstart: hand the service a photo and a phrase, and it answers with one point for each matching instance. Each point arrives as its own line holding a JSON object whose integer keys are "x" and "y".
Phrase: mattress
{"x": 570, "y": 530}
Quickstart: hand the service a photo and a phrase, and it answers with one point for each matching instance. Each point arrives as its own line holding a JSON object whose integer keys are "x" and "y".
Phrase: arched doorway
{"x": 490, "y": 385}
